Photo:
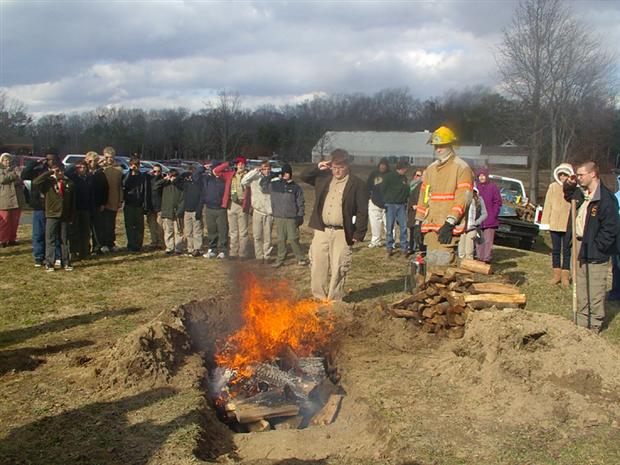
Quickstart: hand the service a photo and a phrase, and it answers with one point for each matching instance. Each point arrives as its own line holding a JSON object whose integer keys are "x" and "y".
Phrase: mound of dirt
{"x": 523, "y": 368}
{"x": 146, "y": 357}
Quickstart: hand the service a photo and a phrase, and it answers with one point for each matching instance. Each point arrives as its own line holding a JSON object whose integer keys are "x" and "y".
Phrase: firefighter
{"x": 445, "y": 194}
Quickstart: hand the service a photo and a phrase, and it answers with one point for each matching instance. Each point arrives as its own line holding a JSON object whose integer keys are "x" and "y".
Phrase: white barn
{"x": 368, "y": 147}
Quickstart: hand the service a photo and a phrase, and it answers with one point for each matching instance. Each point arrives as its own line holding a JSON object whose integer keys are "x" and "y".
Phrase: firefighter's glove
{"x": 445, "y": 233}
{"x": 418, "y": 238}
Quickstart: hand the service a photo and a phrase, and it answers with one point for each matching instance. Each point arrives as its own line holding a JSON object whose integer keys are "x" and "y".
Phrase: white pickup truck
{"x": 510, "y": 225}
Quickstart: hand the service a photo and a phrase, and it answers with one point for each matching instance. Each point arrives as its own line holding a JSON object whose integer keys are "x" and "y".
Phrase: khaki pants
{"x": 466, "y": 245}
{"x": 156, "y": 230}
{"x": 438, "y": 254}
{"x": 287, "y": 230}
{"x": 237, "y": 230}
{"x": 173, "y": 235}
{"x": 192, "y": 228}
{"x": 329, "y": 255}
{"x": 376, "y": 217}
{"x": 591, "y": 286}
{"x": 261, "y": 230}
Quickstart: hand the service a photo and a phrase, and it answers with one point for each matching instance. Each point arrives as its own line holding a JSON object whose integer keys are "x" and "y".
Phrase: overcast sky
{"x": 68, "y": 55}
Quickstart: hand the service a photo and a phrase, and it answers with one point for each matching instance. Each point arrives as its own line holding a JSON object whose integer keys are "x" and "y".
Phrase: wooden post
{"x": 573, "y": 213}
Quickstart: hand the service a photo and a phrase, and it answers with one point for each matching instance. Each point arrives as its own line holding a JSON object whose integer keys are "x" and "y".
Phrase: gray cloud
{"x": 59, "y": 56}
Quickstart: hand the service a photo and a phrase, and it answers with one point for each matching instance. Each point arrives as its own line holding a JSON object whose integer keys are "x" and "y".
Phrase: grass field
{"x": 48, "y": 321}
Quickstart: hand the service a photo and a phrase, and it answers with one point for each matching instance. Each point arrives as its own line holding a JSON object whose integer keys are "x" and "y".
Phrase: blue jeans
{"x": 396, "y": 212}
{"x": 38, "y": 237}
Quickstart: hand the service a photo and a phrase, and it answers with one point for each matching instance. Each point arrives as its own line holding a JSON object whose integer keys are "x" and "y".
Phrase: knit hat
{"x": 286, "y": 168}
{"x": 384, "y": 161}
{"x": 240, "y": 159}
{"x": 565, "y": 168}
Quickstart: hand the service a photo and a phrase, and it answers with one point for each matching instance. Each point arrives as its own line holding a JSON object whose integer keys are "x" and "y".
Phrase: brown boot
{"x": 565, "y": 278}
{"x": 556, "y": 276}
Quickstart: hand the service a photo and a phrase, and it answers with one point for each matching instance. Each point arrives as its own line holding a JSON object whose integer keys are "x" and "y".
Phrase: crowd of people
{"x": 443, "y": 211}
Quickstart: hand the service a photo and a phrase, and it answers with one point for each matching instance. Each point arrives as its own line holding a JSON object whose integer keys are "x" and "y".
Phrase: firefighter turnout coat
{"x": 446, "y": 192}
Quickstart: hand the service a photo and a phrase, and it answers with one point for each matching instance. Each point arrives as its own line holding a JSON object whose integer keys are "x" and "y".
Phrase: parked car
{"x": 276, "y": 165}
{"x": 511, "y": 219}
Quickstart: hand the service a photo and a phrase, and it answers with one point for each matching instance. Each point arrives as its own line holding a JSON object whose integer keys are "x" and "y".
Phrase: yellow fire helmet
{"x": 442, "y": 136}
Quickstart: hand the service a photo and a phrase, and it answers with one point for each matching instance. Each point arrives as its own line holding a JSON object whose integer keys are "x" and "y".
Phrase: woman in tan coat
{"x": 555, "y": 214}
{"x": 12, "y": 200}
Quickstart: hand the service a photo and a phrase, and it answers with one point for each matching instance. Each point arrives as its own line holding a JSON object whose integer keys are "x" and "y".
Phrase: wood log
{"x": 476, "y": 266}
{"x": 404, "y": 303}
{"x": 258, "y": 426}
{"x": 328, "y": 413}
{"x": 455, "y": 299}
{"x": 499, "y": 300}
{"x": 247, "y": 413}
{"x": 400, "y": 313}
{"x": 441, "y": 308}
{"x": 428, "y": 312}
{"x": 494, "y": 288}
{"x": 456, "y": 332}
{"x": 440, "y": 320}
{"x": 456, "y": 319}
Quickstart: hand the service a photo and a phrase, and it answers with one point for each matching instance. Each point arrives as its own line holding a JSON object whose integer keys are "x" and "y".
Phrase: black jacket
{"x": 600, "y": 233}
{"x": 155, "y": 193}
{"x": 287, "y": 198}
{"x": 354, "y": 203}
{"x": 100, "y": 188}
{"x": 374, "y": 182}
{"x": 213, "y": 191}
{"x": 192, "y": 193}
{"x": 32, "y": 170}
{"x": 84, "y": 199}
{"x": 137, "y": 190}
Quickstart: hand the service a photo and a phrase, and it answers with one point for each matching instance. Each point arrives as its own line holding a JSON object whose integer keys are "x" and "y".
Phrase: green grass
{"x": 107, "y": 297}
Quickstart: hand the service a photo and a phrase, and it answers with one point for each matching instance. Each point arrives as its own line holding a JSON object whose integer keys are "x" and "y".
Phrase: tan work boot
{"x": 565, "y": 278}
{"x": 557, "y": 277}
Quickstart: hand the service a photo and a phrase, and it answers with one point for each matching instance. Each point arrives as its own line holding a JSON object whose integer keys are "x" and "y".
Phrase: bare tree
{"x": 226, "y": 121}
{"x": 14, "y": 118}
{"x": 552, "y": 64}
{"x": 526, "y": 67}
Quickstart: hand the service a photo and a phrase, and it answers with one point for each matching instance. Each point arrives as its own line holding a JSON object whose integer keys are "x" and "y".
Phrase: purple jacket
{"x": 489, "y": 191}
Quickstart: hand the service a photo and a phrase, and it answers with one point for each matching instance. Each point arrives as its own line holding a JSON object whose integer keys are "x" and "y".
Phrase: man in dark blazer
{"x": 339, "y": 219}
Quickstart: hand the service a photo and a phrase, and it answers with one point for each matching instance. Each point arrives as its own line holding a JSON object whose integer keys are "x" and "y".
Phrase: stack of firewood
{"x": 525, "y": 212}
{"x": 441, "y": 303}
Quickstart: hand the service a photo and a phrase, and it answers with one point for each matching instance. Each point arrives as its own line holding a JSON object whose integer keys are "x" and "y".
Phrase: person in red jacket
{"x": 237, "y": 201}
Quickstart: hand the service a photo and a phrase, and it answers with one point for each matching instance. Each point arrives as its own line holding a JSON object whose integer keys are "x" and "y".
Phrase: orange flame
{"x": 272, "y": 320}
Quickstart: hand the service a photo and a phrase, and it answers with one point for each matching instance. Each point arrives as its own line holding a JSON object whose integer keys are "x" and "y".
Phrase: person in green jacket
{"x": 59, "y": 213}
{"x": 395, "y": 193}
{"x": 172, "y": 213}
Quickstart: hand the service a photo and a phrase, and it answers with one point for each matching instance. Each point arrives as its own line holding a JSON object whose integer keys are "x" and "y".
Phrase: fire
{"x": 273, "y": 320}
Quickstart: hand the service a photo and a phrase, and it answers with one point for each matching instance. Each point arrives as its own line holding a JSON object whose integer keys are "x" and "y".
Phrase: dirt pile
{"x": 146, "y": 357}
{"x": 523, "y": 368}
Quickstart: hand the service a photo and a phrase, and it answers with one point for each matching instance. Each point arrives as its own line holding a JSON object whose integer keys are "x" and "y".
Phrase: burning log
{"x": 249, "y": 413}
{"x": 258, "y": 426}
{"x": 274, "y": 376}
{"x": 328, "y": 413}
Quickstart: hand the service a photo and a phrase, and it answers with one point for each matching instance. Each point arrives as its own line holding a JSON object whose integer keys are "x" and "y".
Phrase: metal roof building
{"x": 368, "y": 147}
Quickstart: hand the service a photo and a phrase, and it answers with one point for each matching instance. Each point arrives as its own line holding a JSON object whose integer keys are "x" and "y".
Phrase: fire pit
{"x": 276, "y": 371}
